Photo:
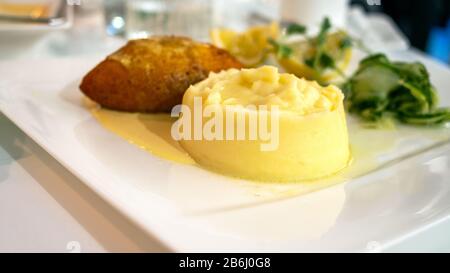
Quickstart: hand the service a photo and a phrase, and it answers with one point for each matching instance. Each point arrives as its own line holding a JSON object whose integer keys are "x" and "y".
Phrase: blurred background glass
{"x": 114, "y": 12}
{"x": 143, "y": 18}
{"x": 191, "y": 18}
{"x": 425, "y": 23}
{"x": 146, "y": 18}
{"x": 194, "y": 18}
{"x": 311, "y": 13}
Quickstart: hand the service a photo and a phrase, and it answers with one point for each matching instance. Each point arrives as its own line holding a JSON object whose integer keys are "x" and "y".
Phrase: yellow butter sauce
{"x": 371, "y": 148}
{"x": 150, "y": 132}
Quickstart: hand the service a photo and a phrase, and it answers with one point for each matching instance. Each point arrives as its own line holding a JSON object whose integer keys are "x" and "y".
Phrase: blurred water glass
{"x": 146, "y": 17}
{"x": 192, "y": 18}
{"x": 312, "y": 12}
{"x": 241, "y": 14}
{"x": 115, "y": 20}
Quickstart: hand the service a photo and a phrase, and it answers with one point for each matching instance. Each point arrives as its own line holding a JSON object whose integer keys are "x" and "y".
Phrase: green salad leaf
{"x": 282, "y": 50}
{"x": 347, "y": 42}
{"x": 320, "y": 41}
{"x": 381, "y": 88}
{"x": 296, "y": 29}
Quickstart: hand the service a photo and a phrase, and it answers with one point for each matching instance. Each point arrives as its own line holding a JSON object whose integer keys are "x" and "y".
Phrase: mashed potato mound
{"x": 311, "y": 131}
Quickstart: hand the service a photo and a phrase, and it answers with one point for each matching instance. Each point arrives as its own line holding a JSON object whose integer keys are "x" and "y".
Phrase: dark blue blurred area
{"x": 425, "y": 22}
{"x": 439, "y": 43}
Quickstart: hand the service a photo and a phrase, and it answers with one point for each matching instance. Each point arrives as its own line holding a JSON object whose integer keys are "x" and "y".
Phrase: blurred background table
{"x": 43, "y": 207}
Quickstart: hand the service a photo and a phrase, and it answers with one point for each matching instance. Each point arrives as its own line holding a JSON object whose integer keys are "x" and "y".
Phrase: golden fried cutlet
{"x": 151, "y": 75}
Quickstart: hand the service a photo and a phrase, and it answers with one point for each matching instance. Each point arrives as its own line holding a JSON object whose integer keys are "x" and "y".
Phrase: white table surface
{"x": 43, "y": 207}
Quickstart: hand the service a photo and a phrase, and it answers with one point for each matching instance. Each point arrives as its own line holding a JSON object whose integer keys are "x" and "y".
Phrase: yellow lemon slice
{"x": 249, "y": 47}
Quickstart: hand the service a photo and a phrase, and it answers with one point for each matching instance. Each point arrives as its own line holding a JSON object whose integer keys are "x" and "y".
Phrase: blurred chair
{"x": 416, "y": 18}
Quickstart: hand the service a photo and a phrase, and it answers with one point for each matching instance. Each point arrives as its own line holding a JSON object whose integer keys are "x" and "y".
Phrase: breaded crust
{"x": 151, "y": 75}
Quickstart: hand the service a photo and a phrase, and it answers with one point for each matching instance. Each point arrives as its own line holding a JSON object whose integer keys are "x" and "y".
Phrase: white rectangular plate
{"x": 190, "y": 209}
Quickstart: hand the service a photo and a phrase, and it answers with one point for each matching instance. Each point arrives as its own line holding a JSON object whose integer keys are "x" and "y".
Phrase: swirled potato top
{"x": 266, "y": 86}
